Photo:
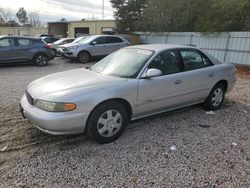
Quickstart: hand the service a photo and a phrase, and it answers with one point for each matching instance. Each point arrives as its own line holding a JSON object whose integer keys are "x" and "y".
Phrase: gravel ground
{"x": 183, "y": 148}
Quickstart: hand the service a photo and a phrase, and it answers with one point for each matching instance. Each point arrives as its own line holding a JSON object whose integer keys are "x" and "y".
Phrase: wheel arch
{"x": 90, "y": 55}
{"x": 38, "y": 53}
{"x": 124, "y": 102}
{"x": 224, "y": 83}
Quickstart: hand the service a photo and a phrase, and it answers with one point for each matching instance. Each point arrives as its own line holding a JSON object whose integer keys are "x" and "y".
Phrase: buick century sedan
{"x": 131, "y": 83}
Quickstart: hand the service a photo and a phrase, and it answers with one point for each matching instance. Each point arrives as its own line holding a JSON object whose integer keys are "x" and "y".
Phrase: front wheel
{"x": 41, "y": 60}
{"x": 216, "y": 97}
{"x": 107, "y": 122}
{"x": 84, "y": 57}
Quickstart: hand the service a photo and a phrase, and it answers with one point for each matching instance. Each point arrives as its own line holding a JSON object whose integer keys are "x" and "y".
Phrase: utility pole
{"x": 103, "y": 9}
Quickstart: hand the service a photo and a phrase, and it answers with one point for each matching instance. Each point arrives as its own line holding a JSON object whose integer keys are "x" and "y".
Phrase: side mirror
{"x": 94, "y": 43}
{"x": 153, "y": 73}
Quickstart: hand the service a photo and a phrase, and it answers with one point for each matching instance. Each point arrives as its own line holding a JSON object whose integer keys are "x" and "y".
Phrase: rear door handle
{"x": 178, "y": 81}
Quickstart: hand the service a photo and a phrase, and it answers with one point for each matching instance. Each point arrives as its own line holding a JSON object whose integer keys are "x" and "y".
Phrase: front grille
{"x": 29, "y": 98}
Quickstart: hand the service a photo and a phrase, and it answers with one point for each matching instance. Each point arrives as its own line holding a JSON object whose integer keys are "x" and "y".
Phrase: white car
{"x": 95, "y": 45}
{"x": 62, "y": 46}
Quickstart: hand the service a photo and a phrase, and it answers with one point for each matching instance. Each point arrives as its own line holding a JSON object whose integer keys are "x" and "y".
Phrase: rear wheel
{"x": 216, "y": 97}
{"x": 107, "y": 122}
{"x": 41, "y": 60}
{"x": 84, "y": 57}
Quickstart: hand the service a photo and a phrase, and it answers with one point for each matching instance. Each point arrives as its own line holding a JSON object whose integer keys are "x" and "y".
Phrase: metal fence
{"x": 233, "y": 47}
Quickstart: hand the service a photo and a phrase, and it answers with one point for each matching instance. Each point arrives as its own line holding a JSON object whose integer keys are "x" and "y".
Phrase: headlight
{"x": 54, "y": 106}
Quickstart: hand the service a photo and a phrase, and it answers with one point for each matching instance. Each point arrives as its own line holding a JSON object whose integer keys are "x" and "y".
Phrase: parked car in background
{"x": 44, "y": 35}
{"x": 23, "y": 49}
{"x": 95, "y": 45}
{"x": 49, "y": 39}
{"x": 60, "y": 48}
{"x": 129, "y": 84}
{"x": 59, "y": 42}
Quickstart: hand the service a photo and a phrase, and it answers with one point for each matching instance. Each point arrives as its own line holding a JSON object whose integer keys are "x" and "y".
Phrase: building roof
{"x": 75, "y": 21}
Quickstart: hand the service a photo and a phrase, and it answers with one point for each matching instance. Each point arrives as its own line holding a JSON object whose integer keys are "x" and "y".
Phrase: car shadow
{"x": 16, "y": 64}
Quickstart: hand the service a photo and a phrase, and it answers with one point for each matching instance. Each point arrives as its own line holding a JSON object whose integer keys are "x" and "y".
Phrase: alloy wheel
{"x": 217, "y": 97}
{"x": 109, "y": 123}
{"x": 41, "y": 60}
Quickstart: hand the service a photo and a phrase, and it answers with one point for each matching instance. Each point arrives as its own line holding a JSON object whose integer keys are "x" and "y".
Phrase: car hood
{"x": 68, "y": 45}
{"x": 64, "y": 83}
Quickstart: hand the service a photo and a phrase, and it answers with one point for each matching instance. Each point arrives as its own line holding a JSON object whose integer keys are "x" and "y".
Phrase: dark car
{"x": 23, "y": 49}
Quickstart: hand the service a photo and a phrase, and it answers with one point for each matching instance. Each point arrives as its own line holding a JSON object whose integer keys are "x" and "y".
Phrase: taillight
{"x": 47, "y": 46}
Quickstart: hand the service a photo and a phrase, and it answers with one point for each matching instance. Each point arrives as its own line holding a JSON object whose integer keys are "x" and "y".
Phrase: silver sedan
{"x": 131, "y": 83}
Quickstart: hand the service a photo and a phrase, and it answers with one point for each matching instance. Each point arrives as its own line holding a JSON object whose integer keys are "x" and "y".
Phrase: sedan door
{"x": 7, "y": 49}
{"x": 162, "y": 92}
{"x": 199, "y": 76}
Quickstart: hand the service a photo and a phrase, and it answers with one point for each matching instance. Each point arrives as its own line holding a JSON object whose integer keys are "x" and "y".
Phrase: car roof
{"x": 16, "y": 36}
{"x": 104, "y": 36}
{"x": 159, "y": 47}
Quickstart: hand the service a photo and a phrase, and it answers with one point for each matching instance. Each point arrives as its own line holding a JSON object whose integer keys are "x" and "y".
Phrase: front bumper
{"x": 57, "y": 123}
{"x": 69, "y": 55}
{"x": 66, "y": 52}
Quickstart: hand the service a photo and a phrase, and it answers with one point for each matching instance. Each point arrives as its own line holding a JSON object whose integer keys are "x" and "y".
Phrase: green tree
{"x": 22, "y": 15}
{"x": 164, "y": 15}
{"x": 226, "y": 15}
{"x": 181, "y": 16}
{"x": 128, "y": 13}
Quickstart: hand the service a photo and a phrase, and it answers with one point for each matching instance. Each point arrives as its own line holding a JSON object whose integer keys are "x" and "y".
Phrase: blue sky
{"x": 54, "y": 10}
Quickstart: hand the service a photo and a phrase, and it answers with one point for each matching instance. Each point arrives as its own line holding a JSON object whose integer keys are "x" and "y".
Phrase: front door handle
{"x": 178, "y": 81}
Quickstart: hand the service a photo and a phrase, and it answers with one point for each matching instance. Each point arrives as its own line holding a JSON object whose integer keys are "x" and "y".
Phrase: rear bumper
{"x": 60, "y": 123}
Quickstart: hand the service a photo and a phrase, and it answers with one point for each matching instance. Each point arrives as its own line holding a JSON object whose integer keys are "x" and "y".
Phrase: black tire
{"x": 96, "y": 128}
{"x": 40, "y": 59}
{"x": 215, "y": 98}
{"x": 84, "y": 57}
{"x": 53, "y": 51}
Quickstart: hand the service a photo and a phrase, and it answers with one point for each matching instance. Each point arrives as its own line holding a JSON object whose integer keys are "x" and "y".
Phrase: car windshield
{"x": 78, "y": 39}
{"x": 123, "y": 63}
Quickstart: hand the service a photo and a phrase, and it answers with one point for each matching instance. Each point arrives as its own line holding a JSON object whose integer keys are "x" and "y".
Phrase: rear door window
{"x": 192, "y": 59}
{"x": 113, "y": 40}
{"x": 6, "y": 42}
{"x": 23, "y": 42}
